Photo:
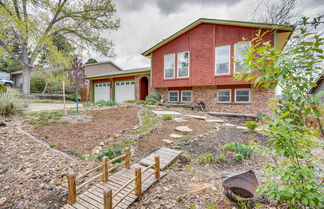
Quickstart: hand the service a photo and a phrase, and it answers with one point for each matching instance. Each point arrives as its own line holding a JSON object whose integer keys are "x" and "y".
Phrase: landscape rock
{"x": 214, "y": 121}
{"x": 199, "y": 190}
{"x": 167, "y": 141}
{"x": 2, "y": 200}
{"x": 102, "y": 144}
{"x": 197, "y": 117}
{"x": 180, "y": 120}
{"x": 242, "y": 127}
{"x": 183, "y": 129}
{"x": 176, "y": 136}
{"x": 229, "y": 125}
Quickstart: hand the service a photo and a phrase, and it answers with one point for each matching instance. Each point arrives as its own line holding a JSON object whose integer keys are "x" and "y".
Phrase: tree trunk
{"x": 26, "y": 80}
{"x": 44, "y": 90}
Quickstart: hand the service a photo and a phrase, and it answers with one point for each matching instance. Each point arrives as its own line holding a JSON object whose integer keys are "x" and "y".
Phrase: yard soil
{"x": 83, "y": 137}
{"x": 200, "y": 186}
{"x": 154, "y": 140}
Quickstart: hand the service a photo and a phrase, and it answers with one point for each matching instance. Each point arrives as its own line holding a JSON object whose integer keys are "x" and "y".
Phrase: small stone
{"x": 199, "y": 190}
{"x": 176, "y": 136}
{"x": 184, "y": 129}
{"x": 167, "y": 141}
{"x": 241, "y": 127}
{"x": 229, "y": 125}
{"x": 180, "y": 120}
{"x": 102, "y": 144}
{"x": 214, "y": 121}
{"x": 2, "y": 200}
{"x": 197, "y": 117}
{"x": 97, "y": 151}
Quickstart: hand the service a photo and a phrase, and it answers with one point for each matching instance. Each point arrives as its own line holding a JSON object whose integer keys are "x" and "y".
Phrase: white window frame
{"x": 243, "y": 101}
{"x": 169, "y": 95}
{"x": 186, "y": 91}
{"x": 230, "y": 96}
{"x": 179, "y": 65}
{"x": 229, "y": 61}
{"x": 174, "y": 58}
{"x": 236, "y": 52}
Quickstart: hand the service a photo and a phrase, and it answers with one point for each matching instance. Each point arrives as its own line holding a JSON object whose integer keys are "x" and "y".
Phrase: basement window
{"x": 186, "y": 96}
{"x": 169, "y": 65}
{"x": 224, "y": 96}
{"x": 173, "y": 96}
{"x": 242, "y": 95}
{"x": 183, "y": 65}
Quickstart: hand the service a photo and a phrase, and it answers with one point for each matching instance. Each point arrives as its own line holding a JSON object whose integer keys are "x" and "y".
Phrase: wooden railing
{"x": 108, "y": 195}
{"x": 72, "y": 179}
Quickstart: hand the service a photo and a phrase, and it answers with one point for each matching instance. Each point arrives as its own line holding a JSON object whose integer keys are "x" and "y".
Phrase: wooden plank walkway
{"x": 93, "y": 197}
{"x": 167, "y": 156}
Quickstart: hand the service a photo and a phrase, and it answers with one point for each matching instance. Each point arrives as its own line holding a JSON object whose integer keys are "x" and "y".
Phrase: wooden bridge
{"x": 118, "y": 190}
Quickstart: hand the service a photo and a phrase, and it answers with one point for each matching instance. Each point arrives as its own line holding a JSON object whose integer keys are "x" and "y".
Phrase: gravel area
{"x": 31, "y": 175}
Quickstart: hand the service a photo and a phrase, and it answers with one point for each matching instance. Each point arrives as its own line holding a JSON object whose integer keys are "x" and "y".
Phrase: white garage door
{"x": 101, "y": 92}
{"x": 124, "y": 90}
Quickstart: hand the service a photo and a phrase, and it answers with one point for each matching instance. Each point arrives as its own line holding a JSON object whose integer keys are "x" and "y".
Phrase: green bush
{"x": 10, "y": 104}
{"x": 239, "y": 148}
{"x": 130, "y": 101}
{"x": 222, "y": 157}
{"x": 167, "y": 117}
{"x": 153, "y": 97}
{"x": 37, "y": 81}
{"x": 206, "y": 158}
{"x": 251, "y": 125}
{"x": 239, "y": 157}
{"x": 111, "y": 153}
{"x": 3, "y": 89}
{"x": 53, "y": 146}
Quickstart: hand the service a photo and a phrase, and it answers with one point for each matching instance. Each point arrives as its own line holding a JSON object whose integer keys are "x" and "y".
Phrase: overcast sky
{"x": 146, "y": 22}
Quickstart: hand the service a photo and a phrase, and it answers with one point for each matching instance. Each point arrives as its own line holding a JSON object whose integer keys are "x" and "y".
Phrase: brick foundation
{"x": 258, "y": 102}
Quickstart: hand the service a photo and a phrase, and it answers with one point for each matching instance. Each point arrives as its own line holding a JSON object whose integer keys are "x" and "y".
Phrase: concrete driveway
{"x": 35, "y": 107}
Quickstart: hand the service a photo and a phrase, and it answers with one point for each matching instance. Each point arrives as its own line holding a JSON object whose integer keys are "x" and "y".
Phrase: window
{"x": 96, "y": 85}
{"x": 186, "y": 96}
{"x": 133, "y": 82}
{"x": 100, "y": 85}
{"x": 222, "y": 60}
{"x": 169, "y": 66}
{"x": 122, "y": 83}
{"x": 173, "y": 96}
{"x": 242, "y": 95}
{"x": 127, "y": 83}
{"x": 104, "y": 85}
{"x": 183, "y": 64}
{"x": 224, "y": 96}
{"x": 117, "y": 83}
{"x": 239, "y": 49}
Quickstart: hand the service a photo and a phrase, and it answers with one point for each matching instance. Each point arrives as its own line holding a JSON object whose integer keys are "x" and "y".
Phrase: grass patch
{"x": 148, "y": 122}
{"x": 47, "y": 117}
{"x": 101, "y": 103}
{"x": 53, "y": 146}
{"x": 167, "y": 117}
{"x": 243, "y": 151}
{"x": 48, "y": 101}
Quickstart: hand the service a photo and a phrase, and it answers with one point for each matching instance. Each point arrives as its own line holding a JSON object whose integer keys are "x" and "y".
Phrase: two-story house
{"x": 197, "y": 64}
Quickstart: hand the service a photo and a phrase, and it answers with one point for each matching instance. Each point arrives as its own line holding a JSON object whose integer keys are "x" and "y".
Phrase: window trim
{"x": 174, "y": 62}
{"x": 169, "y": 95}
{"x": 178, "y": 76}
{"x": 236, "y": 52}
{"x": 229, "y": 61}
{"x": 242, "y": 101}
{"x": 230, "y": 96}
{"x": 182, "y": 95}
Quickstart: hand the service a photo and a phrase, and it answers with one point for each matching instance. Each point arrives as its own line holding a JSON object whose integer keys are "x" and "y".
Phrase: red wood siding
{"x": 201, "y": 42}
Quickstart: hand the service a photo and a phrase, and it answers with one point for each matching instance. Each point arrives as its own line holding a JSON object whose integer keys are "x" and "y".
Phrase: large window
{"x": 173, "y": 96}
{"x": 183, "y": 64}
{"x": 224, "y": 95}
{"x": 222, "y": 60}
{"x": 239, "y": 49}
{"x": 169, "y": 65}
{"x": 242, "y": 95}
{"x": 186, "y": 96}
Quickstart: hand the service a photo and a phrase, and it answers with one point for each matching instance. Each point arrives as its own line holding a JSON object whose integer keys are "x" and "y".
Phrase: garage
{"x": 101, "y": 91}
{"x": 124, "y": 90}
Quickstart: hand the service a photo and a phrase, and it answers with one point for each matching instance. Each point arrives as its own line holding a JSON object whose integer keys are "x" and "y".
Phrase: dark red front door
{"x": 143, "y": 88}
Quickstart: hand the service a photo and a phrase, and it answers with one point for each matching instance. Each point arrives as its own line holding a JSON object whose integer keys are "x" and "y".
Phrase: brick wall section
{"x": 138, "y": 84}
{"x": 259, "y": 100}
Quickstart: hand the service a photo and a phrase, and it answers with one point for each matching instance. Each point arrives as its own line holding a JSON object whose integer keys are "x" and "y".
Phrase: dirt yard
{"x": 83, "y": 137}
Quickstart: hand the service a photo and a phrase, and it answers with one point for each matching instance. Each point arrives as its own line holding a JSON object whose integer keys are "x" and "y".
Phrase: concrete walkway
{"x": 35, "y": 107}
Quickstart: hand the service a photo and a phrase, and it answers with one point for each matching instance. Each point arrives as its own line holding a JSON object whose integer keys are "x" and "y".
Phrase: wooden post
{"x": 105, "y": 171}
{"x": 71, "y": 189}
{"x": 108, "y": 199}
{"x": 157, "y": 167}
{"x": 138, "y": 182}
{"x": 127, "y": 158}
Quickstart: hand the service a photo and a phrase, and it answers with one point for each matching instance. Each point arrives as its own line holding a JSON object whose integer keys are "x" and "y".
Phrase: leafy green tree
{"x": 35, "y": 26}
{"x": 91, "y": 61}
{"x": 293, "y": 177}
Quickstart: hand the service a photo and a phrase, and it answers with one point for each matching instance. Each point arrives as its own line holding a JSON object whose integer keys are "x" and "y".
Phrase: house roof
{"x": 221, "y": 22}
{"x": 122, "y": 72}
{"x": 105, "y": 62}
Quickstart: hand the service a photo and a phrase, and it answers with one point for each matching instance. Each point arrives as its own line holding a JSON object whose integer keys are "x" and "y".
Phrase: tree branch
{"x": 9, "y": 51}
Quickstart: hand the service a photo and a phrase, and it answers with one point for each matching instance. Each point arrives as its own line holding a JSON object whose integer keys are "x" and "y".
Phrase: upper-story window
{"x": 169, "y": 65}
{"x": 222, "y": 60}
{"x": 183, "y": 65}
{"x": 239, "y": 49}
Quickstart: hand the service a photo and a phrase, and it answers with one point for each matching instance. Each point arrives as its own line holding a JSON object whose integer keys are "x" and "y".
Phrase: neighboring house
{"x": 17, "y": 77}
{"x": 119, "y": 85}
{"x": 319, "y": 88}
{"x": 196, "y": 64}
{"x": 100, "y": 68}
